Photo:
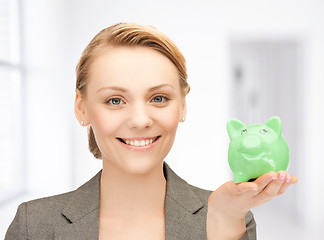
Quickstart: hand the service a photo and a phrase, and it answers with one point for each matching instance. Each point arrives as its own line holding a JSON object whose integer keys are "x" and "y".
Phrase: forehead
{"x": 132, "y": 67}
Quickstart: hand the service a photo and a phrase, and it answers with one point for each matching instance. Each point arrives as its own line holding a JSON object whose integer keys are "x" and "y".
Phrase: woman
{"x": 130, "y": 93}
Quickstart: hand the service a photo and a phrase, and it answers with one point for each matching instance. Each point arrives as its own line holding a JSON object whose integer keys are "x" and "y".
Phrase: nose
{"x": 139, "y": 117}
{"x": 251, "y": 144}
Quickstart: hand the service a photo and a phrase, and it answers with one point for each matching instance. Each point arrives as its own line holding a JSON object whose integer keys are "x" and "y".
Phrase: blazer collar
{"x": 181, "y": 204}
{"x": 82, "y": 211}
{"x": 181, "y": 207}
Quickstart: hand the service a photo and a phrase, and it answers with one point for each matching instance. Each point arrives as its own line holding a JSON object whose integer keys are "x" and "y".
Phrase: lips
{"x": 139, "y": 142}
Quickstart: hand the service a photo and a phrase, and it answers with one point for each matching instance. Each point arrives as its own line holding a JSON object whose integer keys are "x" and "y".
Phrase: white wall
{"x": 57, "y": 31}
{"x": 48, "y": 89}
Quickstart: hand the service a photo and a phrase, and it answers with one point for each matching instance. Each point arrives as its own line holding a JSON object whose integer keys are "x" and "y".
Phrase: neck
{"x": 128, "y": 194}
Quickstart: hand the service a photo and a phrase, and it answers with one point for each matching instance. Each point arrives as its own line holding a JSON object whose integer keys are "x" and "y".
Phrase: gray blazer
{"x": 75, "y": 215}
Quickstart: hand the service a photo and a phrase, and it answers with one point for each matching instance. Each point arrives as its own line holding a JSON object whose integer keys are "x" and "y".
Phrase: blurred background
{"x": 250, "y": 60}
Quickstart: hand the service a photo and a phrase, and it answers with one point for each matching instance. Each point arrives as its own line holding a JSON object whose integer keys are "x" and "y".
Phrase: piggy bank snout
{"x": 251, "y": 144}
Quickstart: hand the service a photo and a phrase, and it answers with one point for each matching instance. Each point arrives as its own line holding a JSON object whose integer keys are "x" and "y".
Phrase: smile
{"x": 253, "y": 156}
{"x": 140, "y": 143}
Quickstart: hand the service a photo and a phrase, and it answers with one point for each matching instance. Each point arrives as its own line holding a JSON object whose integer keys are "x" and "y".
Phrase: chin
{"x": 141, "y": 166}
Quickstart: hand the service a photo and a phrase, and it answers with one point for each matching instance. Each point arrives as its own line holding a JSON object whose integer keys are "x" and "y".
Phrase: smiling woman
{"x": 131, "y": 36}
{"x": 137, "y": 91}
{"x": 130, "y": 93}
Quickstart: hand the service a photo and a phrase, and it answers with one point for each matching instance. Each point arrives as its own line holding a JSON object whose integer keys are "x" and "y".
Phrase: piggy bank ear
{"x": 275, "y": 124}
{"x": 233, "y": 126}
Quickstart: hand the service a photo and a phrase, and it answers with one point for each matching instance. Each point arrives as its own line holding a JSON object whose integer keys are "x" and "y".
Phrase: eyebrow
{"x": 125, "y": 90}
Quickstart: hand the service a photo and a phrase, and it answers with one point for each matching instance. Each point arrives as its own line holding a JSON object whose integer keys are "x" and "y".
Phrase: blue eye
{"x": 160, "y": 99}
{"x": 114, "y": 101}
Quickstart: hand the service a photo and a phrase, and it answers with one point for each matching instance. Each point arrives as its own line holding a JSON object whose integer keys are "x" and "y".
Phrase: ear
{"x": 79, "y": 109}
{"x": 275, "y": 124}
{"x": 233, "y": 126}
{"x": 183, "y": 110}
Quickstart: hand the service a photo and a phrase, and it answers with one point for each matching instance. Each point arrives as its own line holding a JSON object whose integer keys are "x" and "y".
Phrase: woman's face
{"x": 134, "y": 104}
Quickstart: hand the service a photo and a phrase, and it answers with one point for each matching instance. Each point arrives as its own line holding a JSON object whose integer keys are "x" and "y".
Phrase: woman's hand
{"x": 228, "y": 205}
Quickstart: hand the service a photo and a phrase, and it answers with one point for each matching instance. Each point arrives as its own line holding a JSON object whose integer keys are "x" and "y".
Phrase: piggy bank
{"x": 256, "y": 149}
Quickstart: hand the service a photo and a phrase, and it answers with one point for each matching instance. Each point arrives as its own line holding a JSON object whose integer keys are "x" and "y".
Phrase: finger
{"x": 285, "y": 186}
{"x": 294, "y": 179}
{"x": 290, "y": 179}
{"x": 272, "y": 189}
{"x": 264, "y": 180}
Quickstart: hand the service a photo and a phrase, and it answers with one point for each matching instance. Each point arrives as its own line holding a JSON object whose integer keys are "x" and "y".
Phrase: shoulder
{"x": 54, "y": 205}
{"x": 48, "y": 207}
{"x": 40, "y": 217}
{"x": 40, "y": 214}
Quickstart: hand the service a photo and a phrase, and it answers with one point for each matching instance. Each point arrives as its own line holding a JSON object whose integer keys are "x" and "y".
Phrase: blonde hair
{"x": 127, "y": 34}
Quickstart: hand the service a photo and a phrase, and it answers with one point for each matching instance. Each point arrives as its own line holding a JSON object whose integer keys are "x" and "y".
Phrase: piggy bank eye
{"x": 263, "y": 131}
{"x": 243, "y": 131}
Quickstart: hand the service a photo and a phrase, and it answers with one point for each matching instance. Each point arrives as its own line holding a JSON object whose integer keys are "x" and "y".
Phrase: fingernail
{"x": 273, "y": 176}
{"x": 288, "y": 179}
{"x": 281, "y": 176}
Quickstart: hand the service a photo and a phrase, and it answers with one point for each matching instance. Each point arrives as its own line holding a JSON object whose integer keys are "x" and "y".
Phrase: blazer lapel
{"x": 183, "y": 209}
{"x": 82, "y": 211}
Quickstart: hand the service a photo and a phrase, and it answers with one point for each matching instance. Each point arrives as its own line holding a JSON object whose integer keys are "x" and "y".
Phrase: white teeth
{"x": 138, "y": 143}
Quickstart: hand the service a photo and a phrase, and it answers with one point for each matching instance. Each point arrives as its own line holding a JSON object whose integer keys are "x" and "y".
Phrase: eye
{"x": 115, "y": 101}
{"x": 263, "y": 131}
{"x": 160, "y": 99}
{"x": 243, "y": 131}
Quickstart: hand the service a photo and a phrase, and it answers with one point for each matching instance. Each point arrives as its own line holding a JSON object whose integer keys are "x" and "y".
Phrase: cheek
{"x": 103, "y": 122}
{"x": 168, "y": 119}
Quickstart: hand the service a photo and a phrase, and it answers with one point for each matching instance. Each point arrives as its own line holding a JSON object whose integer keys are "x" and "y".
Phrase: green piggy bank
{"x": 256, "y": 149}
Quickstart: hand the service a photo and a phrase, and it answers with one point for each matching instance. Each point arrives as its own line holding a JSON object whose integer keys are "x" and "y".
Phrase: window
{"x": 11, "y": 117}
